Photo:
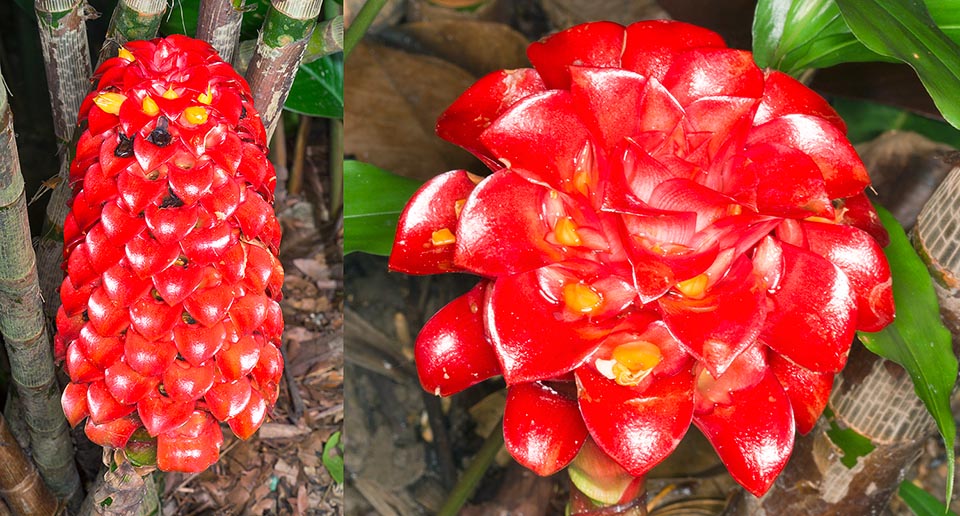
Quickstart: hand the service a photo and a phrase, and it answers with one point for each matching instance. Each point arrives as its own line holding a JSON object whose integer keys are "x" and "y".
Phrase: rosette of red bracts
{"x": 669, "y": 235}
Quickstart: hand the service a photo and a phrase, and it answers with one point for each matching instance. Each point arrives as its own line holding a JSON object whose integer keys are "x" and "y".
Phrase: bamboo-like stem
{"x": 295, "y": 184}
{"x": 66, "y": 55}
{"x": 876, "y": 399}
{"x": 131, "y": 492}
{"x": 132, "y": 19}
{"x": 63, "y": 37}
{"x": 20, "y": 485}
{"x": 219, "y": 25}
{"x": 360, "y": 24}
{"x": 327, "y": 40}
{"x": 24, "y": 328}
{"x": 280, "y": 47}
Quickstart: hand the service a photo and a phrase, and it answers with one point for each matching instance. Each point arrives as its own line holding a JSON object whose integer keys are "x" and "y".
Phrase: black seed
{"x": 163, "y": 391}
{"x": 181, "y": 261}
{"x": 171, "y": 200}
{"x": 153, "y": 175}
{"x": 156, "y": 295}
{"x": 187, "y": 318}
{"x": 160, "y": 136}
{"x": 85, "y": 316}
{"x": 243, "y": 112}
{"x": 125, "y": 147}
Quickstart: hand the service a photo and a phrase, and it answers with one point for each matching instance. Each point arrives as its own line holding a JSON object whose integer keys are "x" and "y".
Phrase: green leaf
{"x": 921, "y": 502}
{"x": 916, "y": 339}
{"x": 867, "y": 120}
{"x": 852, "y": 443}
{"x": 182, "y": 18}
{"x": 796, "y": 35}
{"x": 333, "y": 457}
{"x": 372, "y": 202}
{"x": 904, "y": 29}
{"x": 318, "y": 88}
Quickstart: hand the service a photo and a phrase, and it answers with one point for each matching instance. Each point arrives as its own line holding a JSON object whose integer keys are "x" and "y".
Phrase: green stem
{"x": 471, "y": 477}
{"x": 63, "y": 36}
{"x": 66, "y": 56}
{"x": 132, "y": 19}
{"x": 286, "y": 31}
{"x": 219, "y": 24}
{"x": 24, "y": 328}
{"x": 360, "y": 24}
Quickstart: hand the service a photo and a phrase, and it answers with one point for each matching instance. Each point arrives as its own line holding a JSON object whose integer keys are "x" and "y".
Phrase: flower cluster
{"x": 669, "y": 235}
{"x": 170, "y": 319}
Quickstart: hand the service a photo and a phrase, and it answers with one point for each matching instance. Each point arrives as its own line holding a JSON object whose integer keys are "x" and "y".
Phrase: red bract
{"x": 684, "y": 232}
{"x": 170, "y": 320}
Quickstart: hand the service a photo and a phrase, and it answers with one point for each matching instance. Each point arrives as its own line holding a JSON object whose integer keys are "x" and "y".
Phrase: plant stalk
{"x": 219, "y": 25}
{"x": 360, "y": 24}
{"x": 474, "y": 474}
{"x": 63, "y": 37}
{"x": 295, "y": 183}
{"x": 66, "y": 56}
{"x": 286, "y": 31}
{"x": 132, "y": 19}
{"x": 24, "y": 328}
{"x": 20, "y": 485}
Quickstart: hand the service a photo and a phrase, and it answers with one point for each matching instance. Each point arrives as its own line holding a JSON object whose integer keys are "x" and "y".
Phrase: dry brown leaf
{"x": 286, "y": 471}
{"x": 313, "y": 268}
{"x": 302, "y": 500}
{"x": 271, "y": 430}
{"x": 476, "y": 46}
{"x": 567, "y": 13}
{"x": 392, "y": 102}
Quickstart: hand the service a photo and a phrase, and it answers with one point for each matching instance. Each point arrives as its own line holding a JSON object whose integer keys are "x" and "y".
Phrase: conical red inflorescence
{"x": 170, "y": 318}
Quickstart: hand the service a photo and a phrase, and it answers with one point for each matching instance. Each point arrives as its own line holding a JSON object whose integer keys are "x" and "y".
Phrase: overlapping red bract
{"x": 170, "y": 318}
{"x": 684, "y": 232}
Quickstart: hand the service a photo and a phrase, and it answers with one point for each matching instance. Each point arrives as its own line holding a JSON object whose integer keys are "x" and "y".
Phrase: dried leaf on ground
{"x": 567, "y": 13}
{"x": 476, "y": 46}
{"x": 387, "y": 89}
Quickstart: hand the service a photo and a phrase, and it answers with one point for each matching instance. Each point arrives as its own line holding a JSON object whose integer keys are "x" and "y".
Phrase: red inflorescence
{"x": 669, "y": 235}
{"x": 170, "y": 318}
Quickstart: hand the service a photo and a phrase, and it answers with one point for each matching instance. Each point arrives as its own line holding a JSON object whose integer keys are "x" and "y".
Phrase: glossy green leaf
{"x": 917, "y": 339}
{"x": 904, "y": 29}
{"x": 372, "y": 202}
{"x": 796, "y": 35}
{"x": 318, "y": 88}
{"x": 921, "y": 502}
{"x": 333, "y": 457}
{"x": 868, "y": 120}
